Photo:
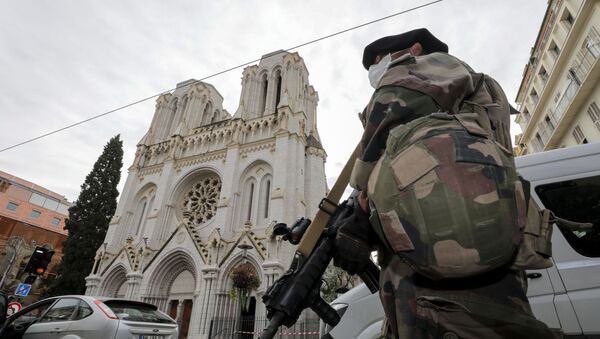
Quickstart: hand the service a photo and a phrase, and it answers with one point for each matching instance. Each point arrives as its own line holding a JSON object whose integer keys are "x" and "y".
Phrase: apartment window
{"x": 55, "y": 221}
{"x": 62, "y": 208}
{"x": 567, "y": 19}
{"x": 538, "y": 145}
{"x": 534, "y": 96}
{"x": 35, "y": 214}
{"x": 592, "y": 42}
{"x": 526, "y": 114}
{"x": 554, "y": 50}
{"x": 37, "y": 199}
{"x": 543, "y": 74}
{"x": 578, "y": 135}
{"x": 549, "y": 122}
{"x": 51, "y": 204}
{"x": 12, "y": 206}
{"x": 594, "y": 113}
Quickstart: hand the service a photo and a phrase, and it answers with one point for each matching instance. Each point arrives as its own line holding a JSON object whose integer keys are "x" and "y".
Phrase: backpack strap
{"x": 489, "y": 102}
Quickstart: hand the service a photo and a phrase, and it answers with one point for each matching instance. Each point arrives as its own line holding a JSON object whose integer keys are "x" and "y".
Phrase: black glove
{"x": 354, "y": 242}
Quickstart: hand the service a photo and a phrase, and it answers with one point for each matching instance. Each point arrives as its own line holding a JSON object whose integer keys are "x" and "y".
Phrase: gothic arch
{"x": 264, "y": 197}
{"x": 263, "y": 87}
{"x": 170, "y": 117}
{"x": 227, "y": 307}
{"x": 225, "y": 282}
{"x": 143, "y": 202}
{"x": 251, "y": 191}
{"x": 161, "y": 279}
{"x": 278, "y": 86}
{"x": 184, "y": 103}
{"x": 114, "y": 281}
{"x": 207, "y": 113}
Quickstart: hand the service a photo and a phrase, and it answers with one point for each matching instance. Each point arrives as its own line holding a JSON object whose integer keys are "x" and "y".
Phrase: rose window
{"x": 200, "y": 202}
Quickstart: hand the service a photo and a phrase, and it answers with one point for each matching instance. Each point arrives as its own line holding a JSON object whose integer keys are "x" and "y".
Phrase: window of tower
{"x": 140, "y": 216}
{"x": 250, "y": 199}
{"x": 206, "y": 115}
{"x": 266, "y": 197}
{"x": 263, "y": 97}
{"x": 278, "y": 93}
{"x": 184, "y": 104}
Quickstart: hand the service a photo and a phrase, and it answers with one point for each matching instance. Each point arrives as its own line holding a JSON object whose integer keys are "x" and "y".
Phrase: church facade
{"x": 206, "y": 189}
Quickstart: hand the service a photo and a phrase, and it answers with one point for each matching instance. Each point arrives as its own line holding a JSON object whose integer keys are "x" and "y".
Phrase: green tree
{"x": 88, "y": 220}
{"x": 336, "y": 280}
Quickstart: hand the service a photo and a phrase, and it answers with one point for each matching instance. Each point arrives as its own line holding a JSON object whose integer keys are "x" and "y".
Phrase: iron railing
{"x": 251, "y": 328}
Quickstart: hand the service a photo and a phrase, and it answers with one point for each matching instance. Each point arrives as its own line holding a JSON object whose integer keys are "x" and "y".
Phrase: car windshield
{"x": 137, "y": 312}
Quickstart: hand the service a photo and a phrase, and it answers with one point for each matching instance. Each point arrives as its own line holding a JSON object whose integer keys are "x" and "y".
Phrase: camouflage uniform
{"x": 493, "y": 305}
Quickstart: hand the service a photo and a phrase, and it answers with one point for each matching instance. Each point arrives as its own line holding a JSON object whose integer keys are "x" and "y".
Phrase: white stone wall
{"x": 155, "y": 253}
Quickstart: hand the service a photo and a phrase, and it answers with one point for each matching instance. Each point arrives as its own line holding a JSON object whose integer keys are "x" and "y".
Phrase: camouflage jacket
{"x": 412, "y": 87}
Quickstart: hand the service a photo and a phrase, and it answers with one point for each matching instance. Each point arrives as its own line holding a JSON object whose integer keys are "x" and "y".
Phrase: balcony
{"x": 584, "y": 75}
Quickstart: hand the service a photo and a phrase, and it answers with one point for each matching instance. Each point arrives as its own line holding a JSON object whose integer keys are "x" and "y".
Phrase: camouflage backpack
{"x": 447, "y": 197}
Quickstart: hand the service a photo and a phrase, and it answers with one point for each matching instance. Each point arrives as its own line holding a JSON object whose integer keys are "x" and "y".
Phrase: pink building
{"x": 30, "y": 216}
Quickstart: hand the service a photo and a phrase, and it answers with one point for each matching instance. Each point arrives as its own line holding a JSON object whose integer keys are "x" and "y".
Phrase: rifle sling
{"x": 313, "y": 233}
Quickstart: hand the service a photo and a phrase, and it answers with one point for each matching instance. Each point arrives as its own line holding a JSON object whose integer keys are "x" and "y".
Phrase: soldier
{"x": 413, "y": 77}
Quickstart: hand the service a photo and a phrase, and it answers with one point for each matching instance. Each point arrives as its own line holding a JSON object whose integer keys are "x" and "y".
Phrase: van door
{"x": 540, "y": 292}
{"x": 576, "y": 253}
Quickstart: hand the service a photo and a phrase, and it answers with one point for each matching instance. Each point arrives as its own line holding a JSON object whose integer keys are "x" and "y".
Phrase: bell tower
{"x": 279, "y": 80}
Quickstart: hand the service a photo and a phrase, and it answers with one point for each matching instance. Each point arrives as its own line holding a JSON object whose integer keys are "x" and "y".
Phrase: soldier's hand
{"x": 354, "y": 242}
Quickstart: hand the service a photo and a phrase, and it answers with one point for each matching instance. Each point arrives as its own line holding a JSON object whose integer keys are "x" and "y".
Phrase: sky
{"x": 68, "y": 60}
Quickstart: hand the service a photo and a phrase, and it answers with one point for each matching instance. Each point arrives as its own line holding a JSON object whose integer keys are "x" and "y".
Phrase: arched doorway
{"x": 235, "y": 311}
{"x": 171, "y": 288}
{"x": 114, "y": 285}
{"x": 181, "y": 301}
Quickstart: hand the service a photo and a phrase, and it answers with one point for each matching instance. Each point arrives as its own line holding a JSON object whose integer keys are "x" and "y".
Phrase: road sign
{"x": 23, "y": 290}
{"x": 13, "y": 307}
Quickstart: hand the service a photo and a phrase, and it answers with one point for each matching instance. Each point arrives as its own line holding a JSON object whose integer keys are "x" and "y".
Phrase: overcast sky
{"x": 66, "y": 61}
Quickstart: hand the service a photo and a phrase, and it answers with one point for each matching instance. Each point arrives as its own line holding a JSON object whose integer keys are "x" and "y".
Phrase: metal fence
{"x": 251, "y": 327}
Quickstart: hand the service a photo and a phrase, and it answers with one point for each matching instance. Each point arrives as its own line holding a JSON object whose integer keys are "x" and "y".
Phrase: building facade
{"x": 559, "y": 96}
{"x": 206, "y": 189}
{"x": 30, "y": 216}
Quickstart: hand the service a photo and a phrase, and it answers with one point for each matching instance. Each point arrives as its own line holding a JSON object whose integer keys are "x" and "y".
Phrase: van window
{"x": 576, "y": 200}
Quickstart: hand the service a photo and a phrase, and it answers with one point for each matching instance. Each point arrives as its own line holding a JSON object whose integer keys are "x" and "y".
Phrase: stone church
{"x": 206, "y": 189}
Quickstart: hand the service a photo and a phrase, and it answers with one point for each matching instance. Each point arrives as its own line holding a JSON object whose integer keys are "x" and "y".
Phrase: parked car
{"x": 565, "y": 296}
{"x": 86, "y": 317}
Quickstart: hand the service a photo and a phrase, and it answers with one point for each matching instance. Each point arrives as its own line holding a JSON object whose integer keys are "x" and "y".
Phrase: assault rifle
{"x": 299, "y": 287}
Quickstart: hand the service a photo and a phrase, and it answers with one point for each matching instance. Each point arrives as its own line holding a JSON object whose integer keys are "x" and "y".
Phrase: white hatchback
{"x": 86, "y": 317}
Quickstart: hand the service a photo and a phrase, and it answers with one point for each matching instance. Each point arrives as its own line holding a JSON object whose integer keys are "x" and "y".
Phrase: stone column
{"x": 210, "y": 275}
{"x": 179, "y": 314}
{"x": 196, "y": 314}
{"x": 92, "y": 285}
{"x": 134, "y": 281}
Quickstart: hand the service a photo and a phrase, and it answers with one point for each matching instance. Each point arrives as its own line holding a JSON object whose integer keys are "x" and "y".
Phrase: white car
{"x": 564, "y": 296}
{"x": 86, "y": 317}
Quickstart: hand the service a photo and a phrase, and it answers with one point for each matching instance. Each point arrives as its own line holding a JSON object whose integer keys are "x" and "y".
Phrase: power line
{"x": 218, "y": 73}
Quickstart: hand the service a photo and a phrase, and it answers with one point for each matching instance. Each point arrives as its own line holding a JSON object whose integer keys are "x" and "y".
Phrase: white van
{"x": 565, "y": 296}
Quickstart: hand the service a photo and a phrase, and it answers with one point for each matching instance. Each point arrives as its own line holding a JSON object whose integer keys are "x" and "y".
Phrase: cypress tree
{"x": 88, "y": 220}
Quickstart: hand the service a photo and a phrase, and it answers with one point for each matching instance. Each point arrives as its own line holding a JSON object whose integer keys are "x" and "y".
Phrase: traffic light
{"x": 39, "y": 260}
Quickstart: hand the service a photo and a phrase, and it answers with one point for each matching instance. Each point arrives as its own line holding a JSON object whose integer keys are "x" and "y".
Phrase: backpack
{"x": 447, "y": 197}
{"x": 449, "y": 200}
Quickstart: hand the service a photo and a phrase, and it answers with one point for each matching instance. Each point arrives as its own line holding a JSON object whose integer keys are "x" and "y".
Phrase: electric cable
{"x": 218, "y": 73}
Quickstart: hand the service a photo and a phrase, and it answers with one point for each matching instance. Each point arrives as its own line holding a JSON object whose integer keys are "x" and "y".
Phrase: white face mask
{"x": 376, "y": 71}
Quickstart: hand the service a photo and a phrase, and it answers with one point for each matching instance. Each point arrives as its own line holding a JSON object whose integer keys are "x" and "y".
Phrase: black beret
{"x": 394, "y": 43}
